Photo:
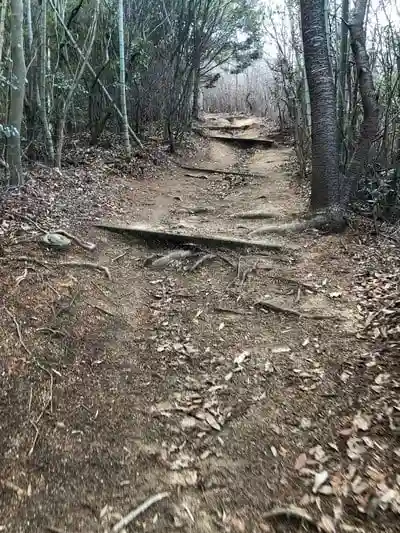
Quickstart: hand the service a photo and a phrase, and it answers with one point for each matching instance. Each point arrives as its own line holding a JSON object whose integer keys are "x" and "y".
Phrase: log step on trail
{"x": 223, "y": 172}
{"x": 178, "y": 238}
{"x": 242, "y": 142}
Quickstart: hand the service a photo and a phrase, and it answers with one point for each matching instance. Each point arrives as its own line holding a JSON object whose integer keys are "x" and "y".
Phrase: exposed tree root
{"x": 296, "y": 513}
{"x": 293, "y": 281}
{"x": 281, "y": 228}
{"x": 329, "y": 222}
{"x": 46, "y": 264}
{"x": 85, "y": 245}
{"x": 198, "y": 176}
{"x": 166, "y": 260}
{"x": 288, "y": 311}
{"x": 202, "y": 260}
{"x": 254, "y": 215}
{"x": 157, "y": 235}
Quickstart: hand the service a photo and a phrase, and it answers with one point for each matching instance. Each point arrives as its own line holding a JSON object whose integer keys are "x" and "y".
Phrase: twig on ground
{"x": 120, "y": 256}
{"x": 56, "y": 332}
{"x": 34, "y": 439}
{"x": 199, "y": 176}
{"x": 199, "y": 262}
{"x": 33, "y": 222}
{"x": 119, "y": 526}
{"x": 19, "y": 333}
{"x": 85, "y": 265}
{"x": 293, "y": 281}
{"x": 231, "y": 311}
{"x": 288, "y": 311}
{"x": 294, "y": 513}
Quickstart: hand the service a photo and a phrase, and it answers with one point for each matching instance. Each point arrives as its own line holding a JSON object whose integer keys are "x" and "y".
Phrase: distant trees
{"x": 129, "y": 66}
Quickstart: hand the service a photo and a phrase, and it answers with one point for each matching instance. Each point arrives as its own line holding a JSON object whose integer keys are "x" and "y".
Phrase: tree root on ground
{"x": 85, "y": 245}
{"x": 46, "y": 264}
{"x": 296, "y": 513}
{"x": 330, "y": 222}
{"x": 269, "y": 306}
{"x": 217, "y": 242}
{"x": 254, "y": 215}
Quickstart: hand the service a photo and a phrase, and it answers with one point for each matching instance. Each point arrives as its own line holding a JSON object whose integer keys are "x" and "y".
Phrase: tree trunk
{"x": 65, "y": 105}
{"x": 125, "y": 122}
{"x": 370, "y": 124}
{"x": 3, "y": 12}
{"x": 344, "y": 47}
{"x": 41, "y": 88}
{"x": 17, "y": 92}
{"x": 325, "y": 194}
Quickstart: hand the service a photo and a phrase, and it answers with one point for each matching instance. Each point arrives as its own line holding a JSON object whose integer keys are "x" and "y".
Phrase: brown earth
{"x": 166, "y": 379}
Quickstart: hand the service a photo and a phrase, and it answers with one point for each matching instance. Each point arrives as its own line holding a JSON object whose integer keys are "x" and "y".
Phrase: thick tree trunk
{"x": 17, "y": 92}
{"x": 325, "y": 195}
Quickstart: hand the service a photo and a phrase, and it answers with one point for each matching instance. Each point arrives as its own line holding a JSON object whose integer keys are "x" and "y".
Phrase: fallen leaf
{"x": 187, "y": 478}
{"x": 326, "y": 524}
{"x": 319, "y": 479}
{"x": 301, "y": 461}
{"x": 212, "y": 422}
{"x": 239, "y": 359}
{"x": 268, "y": 367}
{"x": 354, "y": 448}
{"x": 188, "y": 422}
{"x": 228, "y": 376}
{"x": 381, "y": 379}
{"x": 336, "y": 294}
{"x": 281, "y": 349}
{"x": 327, "y": 490}
{"x": 361, "y": 422}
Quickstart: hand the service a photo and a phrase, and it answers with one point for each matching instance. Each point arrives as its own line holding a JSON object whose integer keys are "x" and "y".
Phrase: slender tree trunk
{"x": 370, "y": 124}
{"x": 122, "y": 83}
{"x": 41, "y": 87}
{"x": 3, "y": 12}
{"x": 65, "y": 106}
{"x": 17, "y": 92}
{"x": 325, "y": 185}
{"x": 344, "y": 48}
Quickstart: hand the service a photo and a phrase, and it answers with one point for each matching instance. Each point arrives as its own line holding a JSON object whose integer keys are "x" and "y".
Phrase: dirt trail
{"x": 170, "y": 380}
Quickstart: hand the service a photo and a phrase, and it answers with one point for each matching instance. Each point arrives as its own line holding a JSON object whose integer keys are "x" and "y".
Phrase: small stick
{"x": 288, "y": 311}
{"x": 119, "y": 526}
{"x": 34, "y": 439}
{"x": 18, "y": 328}
{"x": 86, "y": 265}
{"x": 119, "y": 256}
{"x": 199, "y": 262}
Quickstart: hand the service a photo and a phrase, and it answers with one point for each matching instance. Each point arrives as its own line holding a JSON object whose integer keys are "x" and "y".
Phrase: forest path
{"x": 171, "y": 380}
